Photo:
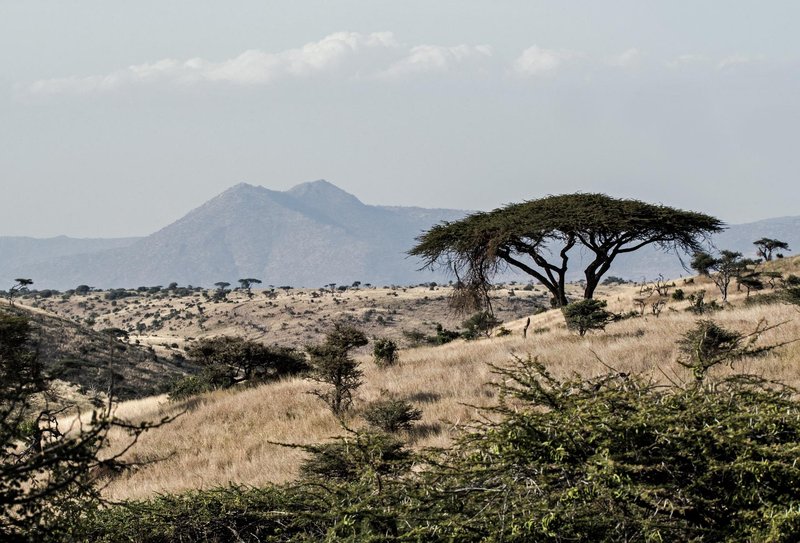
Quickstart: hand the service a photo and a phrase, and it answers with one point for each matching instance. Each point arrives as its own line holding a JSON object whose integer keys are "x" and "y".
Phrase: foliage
{"x": 616, "y": 457}
{"x": 332, "y": 365}
{"x": 524, "y": 235}
{"x": 246, "y": 359}
{"x": 346, "y": 458}
{"x": 391, "y": 415}
{"x": 47, "y": 466}
{"x": 226, "y": 361}
{"x": 479, "y": 324}
{"x": 698, "y": 304}
{"x": 792, "y": 295}
{"x": 708, "y": 345}
{"x": 384, "y": 352}
{"x": 587, "y": 315}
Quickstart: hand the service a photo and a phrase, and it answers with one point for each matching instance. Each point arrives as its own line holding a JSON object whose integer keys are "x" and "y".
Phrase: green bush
{"x": 480, "y": 324}
{"x": 391, "y": 415}
{"x": 586, "y": 315}
{"x": 384, "y": 352}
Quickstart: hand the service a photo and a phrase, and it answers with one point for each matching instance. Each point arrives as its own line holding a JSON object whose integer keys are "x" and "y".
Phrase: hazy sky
{"x": 116, "y": 118}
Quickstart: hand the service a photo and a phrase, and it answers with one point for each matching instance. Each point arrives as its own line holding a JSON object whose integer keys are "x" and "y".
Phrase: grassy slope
{"x": 225, "y": 437}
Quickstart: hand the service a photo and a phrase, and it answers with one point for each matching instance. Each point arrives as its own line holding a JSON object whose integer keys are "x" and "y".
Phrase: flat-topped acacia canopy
{"x": 537, "y": 236}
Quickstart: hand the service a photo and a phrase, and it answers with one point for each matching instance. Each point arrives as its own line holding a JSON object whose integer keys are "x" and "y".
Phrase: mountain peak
{"x": 322, "y": 190}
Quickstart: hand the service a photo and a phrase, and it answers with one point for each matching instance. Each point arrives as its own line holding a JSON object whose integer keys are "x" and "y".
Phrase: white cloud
{"x": 347, "y": 54}
{"x": 627, "y": 59}
{"x": 687, "y": 59}
{"x": 737, "y": 60}
{"x": 424, "y": 59}
{"x": 536, "y": 61}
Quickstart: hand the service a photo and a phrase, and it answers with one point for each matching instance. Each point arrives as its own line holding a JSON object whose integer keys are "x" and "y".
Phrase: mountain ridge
{"x": 312, "y": 234}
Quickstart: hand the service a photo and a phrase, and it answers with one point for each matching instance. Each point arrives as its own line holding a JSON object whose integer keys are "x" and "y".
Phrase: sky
{"x": 117, "y": 118}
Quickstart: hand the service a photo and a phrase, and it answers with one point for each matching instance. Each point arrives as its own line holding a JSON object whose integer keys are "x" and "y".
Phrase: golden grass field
{"x": 228, "y": 437}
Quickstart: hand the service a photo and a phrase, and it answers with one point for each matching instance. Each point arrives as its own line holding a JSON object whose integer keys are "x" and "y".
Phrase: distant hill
{"x": 311, "y": 235}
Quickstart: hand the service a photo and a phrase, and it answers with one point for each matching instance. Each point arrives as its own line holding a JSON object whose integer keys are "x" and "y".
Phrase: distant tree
{"x": 524, "y": 235}
{"x": 751, "y": 281}
{"x": 722, "y": 269}
{"x": 245, "y": 359}
{"x": 220, "y": 294}
{"x": 332, "y": 365}
{"x": 86, "y": 289}
{"x": 765, "y": 247}
{"x": 21, "y": 285}
{"x": 247, "y": 283}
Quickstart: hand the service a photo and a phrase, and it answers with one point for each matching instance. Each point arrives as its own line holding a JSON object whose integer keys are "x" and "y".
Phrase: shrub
{"x": 391, "y": 415}
{"x": 678, "y": 295}
{"x": 587, "y": 315}
{"x": 479, "y": 324}
{"x": 384, "y": 352}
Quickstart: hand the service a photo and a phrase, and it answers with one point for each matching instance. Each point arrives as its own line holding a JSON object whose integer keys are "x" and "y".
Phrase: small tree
{"x": 332, "y": 365}
{"x": 765, "y": 247}
{"x": 708, "y": 345}
{"x": 587, "y": 315}
{"x": 722, "y": 269}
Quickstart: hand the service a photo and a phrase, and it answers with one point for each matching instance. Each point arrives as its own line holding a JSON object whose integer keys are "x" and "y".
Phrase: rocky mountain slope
{"x": 311, "y": 235}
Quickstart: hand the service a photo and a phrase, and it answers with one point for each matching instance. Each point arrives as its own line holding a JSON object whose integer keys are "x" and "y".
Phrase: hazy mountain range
{"x": 311, "y": 235}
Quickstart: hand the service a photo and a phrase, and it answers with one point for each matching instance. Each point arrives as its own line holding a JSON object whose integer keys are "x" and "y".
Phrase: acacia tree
{"x": 247, "y": 284}
{"x": 539, "y": 236}
{"x": 20, "y": 286}
{"x": 722, "y": 269}
{"x": 765, "y": 247}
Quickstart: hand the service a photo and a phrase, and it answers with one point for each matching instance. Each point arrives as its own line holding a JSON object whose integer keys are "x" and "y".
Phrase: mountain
{"x": 311, "y": 235}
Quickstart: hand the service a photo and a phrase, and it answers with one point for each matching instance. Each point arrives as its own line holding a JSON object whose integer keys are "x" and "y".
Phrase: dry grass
{"x": 228, "y": 436}
{"x": 225, "y": 437}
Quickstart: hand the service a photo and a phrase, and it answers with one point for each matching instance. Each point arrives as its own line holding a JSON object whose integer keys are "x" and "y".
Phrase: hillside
{"x": 87, "y": 362}
{"x": 232, "y": 430}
